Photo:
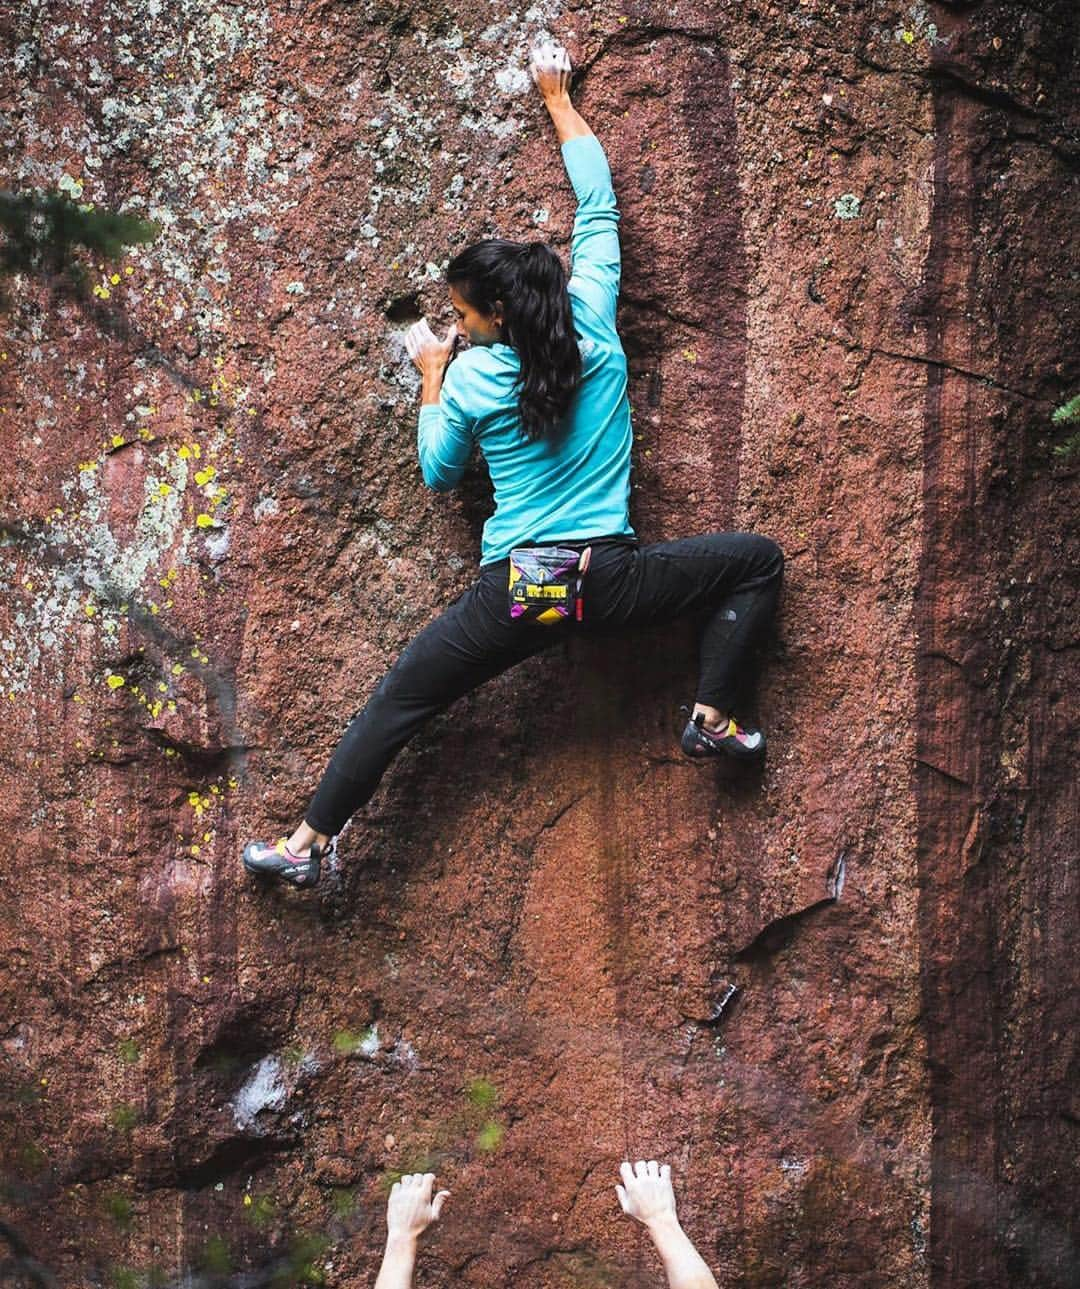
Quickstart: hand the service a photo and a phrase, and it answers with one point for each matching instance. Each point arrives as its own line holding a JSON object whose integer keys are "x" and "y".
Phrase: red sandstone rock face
{"x": 849, "y": 305}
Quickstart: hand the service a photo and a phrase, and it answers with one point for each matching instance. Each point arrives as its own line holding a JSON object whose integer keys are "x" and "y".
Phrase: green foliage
{"x": 31, "y": 1157}
{"x": 26, "y": 1092}
{"x": 125, "y": 1278}
{"x": 215, "y": 1257}
{"x": 120, "y": 1209}
{"x": 347, "y": 1041}
{"x": 43, "y": 232}
{"x": 293, "y": 1055}
{"x": 1068, "y": 414}
{"x": 260, "y": 1211}
{"x": 128, "y": 1051}
{"x": 300, "y": 1268}
{"x": 343, "y": 1203}
{"x": 123, "y": 1117}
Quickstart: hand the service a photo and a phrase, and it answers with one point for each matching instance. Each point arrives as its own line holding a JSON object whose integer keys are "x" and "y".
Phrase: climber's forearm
{"x": 684, "y": 1266}
{"x": 431, "y": 383}
{"x": 567, "y": 120}
{"x": 399, "y": 1259}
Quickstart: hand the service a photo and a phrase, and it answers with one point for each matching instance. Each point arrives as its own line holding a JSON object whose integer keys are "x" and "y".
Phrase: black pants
{"x": 735, "y": 576}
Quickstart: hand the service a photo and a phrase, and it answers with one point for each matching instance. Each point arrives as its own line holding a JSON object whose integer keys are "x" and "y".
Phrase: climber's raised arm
{"x": 409, "y": 1212}
{"x": 551, "y": 71}
{"x": 594, "y": 247}
{"x": 647, "y": 1196}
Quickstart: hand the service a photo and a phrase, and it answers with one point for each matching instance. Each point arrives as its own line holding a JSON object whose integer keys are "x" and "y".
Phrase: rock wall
{"x": 838, "y": 996}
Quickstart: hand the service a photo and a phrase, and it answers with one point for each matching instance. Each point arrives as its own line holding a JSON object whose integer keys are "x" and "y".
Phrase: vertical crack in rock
{"x": 994, "y": 536}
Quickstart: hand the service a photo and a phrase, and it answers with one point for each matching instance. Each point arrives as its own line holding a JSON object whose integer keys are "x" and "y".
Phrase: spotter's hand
{"x": 425, "y": 348}
{"x": 549, "y": 66}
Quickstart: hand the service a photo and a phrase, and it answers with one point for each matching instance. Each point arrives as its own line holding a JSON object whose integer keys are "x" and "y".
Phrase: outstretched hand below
{"x": 411, "y": 1208}
{"x": 647, "y": 1196}
{"x": 646, "y": 1193}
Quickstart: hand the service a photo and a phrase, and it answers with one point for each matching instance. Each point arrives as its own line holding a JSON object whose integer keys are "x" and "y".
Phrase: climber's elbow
{"x": 437, "y": 476}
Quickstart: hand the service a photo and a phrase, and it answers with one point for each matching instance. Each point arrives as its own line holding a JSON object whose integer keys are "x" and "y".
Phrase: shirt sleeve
{"x": 594, "y": 248}
{"x": 444, "y": 439}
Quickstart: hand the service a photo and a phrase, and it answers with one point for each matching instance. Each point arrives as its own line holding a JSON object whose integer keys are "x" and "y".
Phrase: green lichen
{"x": 215, "y": 1257}
{"x": 847, "y": 206}
{"x": 123, "y": 1117}
{"x": 346, "y": 1042}
{"x": 120, "y": 1209}
{"x": 128, "y": 1051}
{"x": 343, "y": 1203}
{"x": 490, "y": 1136}
{"x": 482, "y": 1094}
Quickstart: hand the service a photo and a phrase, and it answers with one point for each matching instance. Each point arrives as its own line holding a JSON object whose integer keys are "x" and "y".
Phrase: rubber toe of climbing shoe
{"x": 275, "y": 860}
{"x": 731, "y": 740}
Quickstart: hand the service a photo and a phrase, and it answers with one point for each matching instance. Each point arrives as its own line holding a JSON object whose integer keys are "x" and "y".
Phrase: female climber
{"x": 541, "y": 390}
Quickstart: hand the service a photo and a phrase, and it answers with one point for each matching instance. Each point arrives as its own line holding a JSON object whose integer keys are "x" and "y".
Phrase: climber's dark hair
{"x": 528, "y": 280}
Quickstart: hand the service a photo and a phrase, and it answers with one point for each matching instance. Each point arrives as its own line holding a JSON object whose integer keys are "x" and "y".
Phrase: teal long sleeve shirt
{"x": 578, "y": 486}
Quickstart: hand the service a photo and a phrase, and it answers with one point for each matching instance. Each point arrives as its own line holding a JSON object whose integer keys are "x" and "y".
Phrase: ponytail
{"x": 530, "y": 282}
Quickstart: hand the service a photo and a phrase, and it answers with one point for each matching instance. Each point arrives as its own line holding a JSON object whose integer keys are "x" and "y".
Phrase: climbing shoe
{"x": 275, "y": 859}
{"x": 731, "y": 739}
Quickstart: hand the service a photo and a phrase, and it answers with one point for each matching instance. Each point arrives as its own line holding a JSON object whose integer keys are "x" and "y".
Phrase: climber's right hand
{"x": 549, "y": 66}
{"x": 646, "y": 1193}
{"x": 411, "y": 1208}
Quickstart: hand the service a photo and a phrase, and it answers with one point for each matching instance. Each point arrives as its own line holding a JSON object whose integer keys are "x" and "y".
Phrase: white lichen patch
{"x": 370, "y": 1043}
{"x": 265, "y": 1089}
{"x": 399, "y": 368}
{"x": 513, "y": 80}
{"x": 404, "y": 1054}
{"x": 99, "y": 576}
{"x": 264, "y": 508}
